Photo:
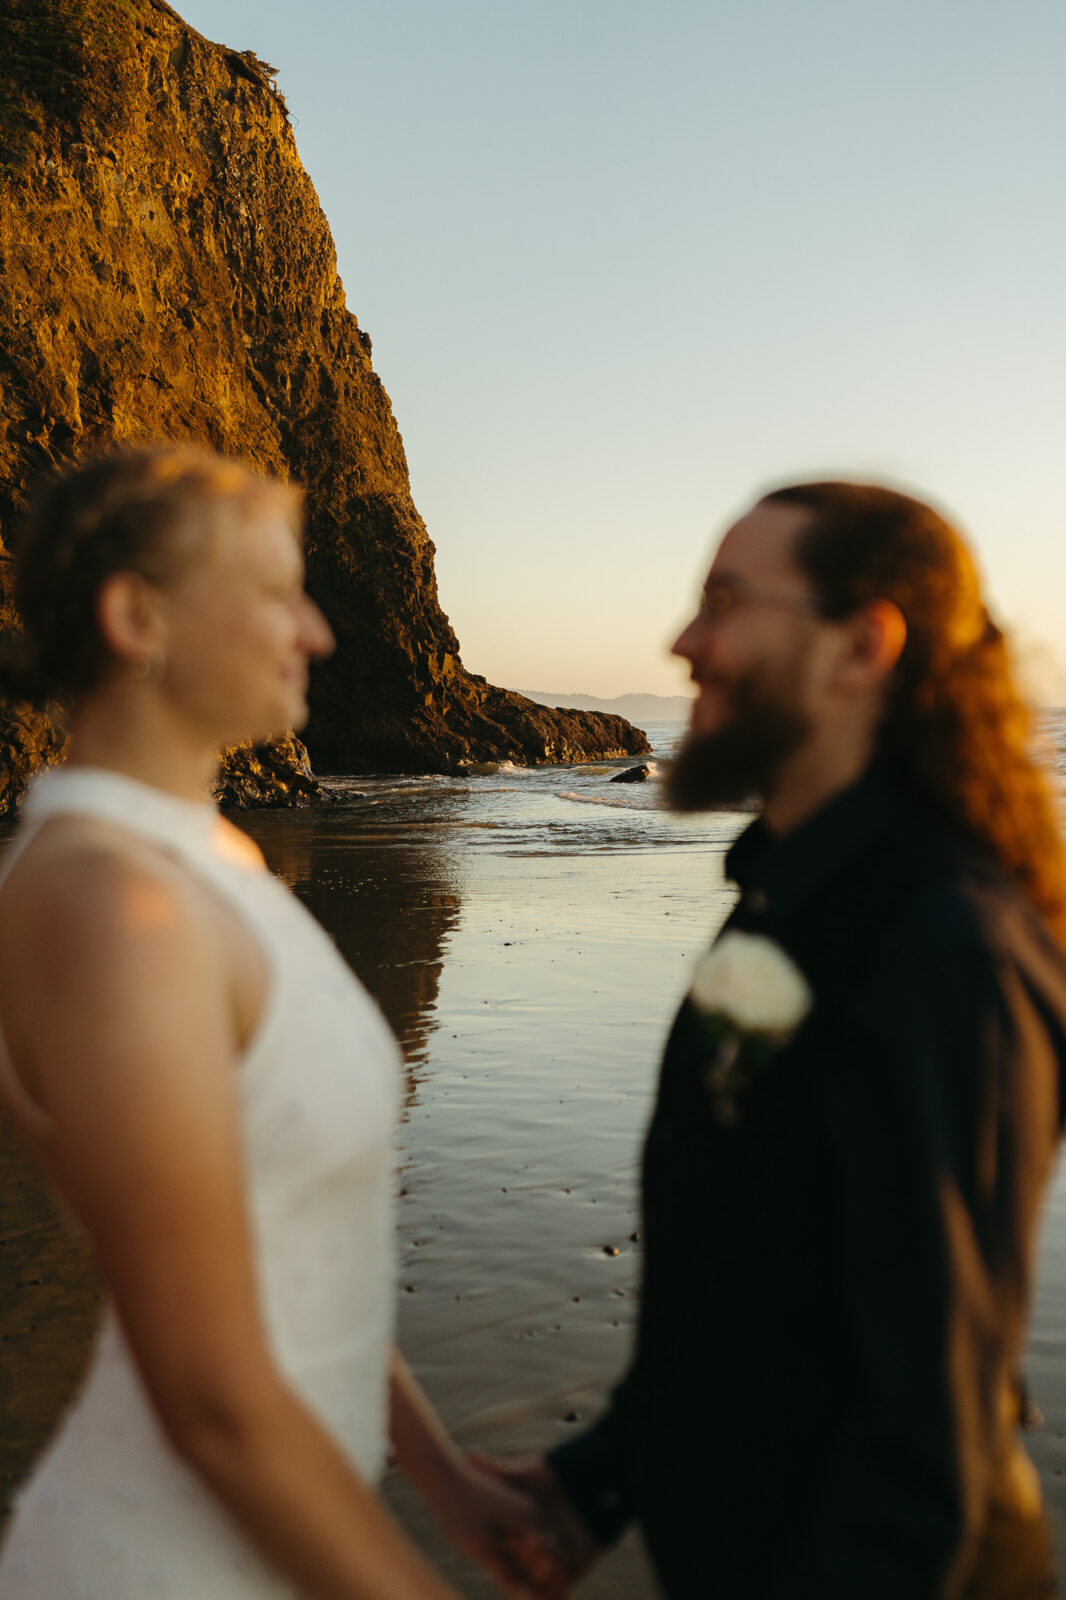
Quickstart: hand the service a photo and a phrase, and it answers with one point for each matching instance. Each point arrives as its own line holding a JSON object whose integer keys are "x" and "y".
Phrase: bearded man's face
{"x": 740, "y": 759}
{"x": 750, "y": 650}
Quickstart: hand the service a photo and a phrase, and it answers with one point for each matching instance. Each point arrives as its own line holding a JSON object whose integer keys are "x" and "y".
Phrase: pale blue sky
{"x": 623, "y": 263}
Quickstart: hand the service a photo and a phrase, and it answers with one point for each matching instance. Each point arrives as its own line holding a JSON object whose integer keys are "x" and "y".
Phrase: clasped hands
{"x": 518, "y": 1522}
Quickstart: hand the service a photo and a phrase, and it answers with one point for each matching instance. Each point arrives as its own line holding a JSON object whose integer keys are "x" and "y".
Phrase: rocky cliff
{"x": 166, "y": 271}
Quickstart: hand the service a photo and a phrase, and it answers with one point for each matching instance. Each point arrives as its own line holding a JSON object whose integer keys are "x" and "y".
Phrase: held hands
{"x": 556, "y": 1548}
{"x": 515, "y": 1520}
{"x": 501, "y": 1526}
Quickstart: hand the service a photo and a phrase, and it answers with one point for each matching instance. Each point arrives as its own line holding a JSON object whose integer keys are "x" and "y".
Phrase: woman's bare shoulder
{"x": 86, "y": 902}
{"x": 79, "y": 870}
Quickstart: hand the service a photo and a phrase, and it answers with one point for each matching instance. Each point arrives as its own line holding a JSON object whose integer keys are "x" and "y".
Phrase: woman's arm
{"x": 120, "y": 1017}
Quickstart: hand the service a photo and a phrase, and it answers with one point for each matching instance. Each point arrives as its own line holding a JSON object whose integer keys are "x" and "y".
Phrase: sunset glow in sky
{"x": 625, "y": 263}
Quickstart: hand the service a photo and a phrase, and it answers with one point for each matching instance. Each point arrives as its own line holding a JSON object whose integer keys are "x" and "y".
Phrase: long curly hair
{"x": 955, "y": 721}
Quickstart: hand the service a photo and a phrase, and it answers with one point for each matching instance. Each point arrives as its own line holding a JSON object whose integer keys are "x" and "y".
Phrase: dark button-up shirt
{"x": 822, "y": 1399}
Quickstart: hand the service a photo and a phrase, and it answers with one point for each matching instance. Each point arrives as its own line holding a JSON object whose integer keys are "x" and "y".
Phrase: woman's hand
{"x": 502, "y": 1526}
{"x": 498, "y": 1522}
{"x": 569, "y": 1544}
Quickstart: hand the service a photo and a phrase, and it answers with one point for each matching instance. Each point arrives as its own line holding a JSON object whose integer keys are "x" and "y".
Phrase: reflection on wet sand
{"x": 390, "y": 902}
{"x": 390, "y": 908}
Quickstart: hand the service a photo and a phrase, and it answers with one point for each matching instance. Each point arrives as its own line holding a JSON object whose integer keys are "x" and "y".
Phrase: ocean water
{"x": 529, "y": 934}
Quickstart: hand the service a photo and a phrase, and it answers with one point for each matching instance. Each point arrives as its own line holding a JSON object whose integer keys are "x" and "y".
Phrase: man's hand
{"x": 568, "y": 1544}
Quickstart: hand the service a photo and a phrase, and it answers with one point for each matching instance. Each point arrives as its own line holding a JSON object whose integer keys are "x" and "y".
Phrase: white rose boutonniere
{"x": 751, "y": 998}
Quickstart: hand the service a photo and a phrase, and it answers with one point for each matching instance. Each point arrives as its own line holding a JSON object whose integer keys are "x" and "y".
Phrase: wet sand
{"x": 532, "y": 990}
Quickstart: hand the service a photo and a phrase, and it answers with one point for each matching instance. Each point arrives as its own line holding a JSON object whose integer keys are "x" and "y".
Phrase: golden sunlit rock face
{"x": 166, "y": 272}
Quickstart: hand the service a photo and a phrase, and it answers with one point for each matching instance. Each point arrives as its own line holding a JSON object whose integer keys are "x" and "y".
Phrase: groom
{"x": 859, "y": 1109}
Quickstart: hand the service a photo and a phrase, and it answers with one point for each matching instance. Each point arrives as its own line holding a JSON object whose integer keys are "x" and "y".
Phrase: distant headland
{"x": 167, "y": 272}
{"x": 638, "y": 708}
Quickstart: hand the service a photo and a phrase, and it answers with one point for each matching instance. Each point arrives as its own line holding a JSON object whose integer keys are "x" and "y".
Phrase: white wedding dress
{"x": 110, "y": 1512}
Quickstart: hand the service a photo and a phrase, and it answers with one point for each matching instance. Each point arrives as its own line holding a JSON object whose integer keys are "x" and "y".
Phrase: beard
{"x": 740, "y": 760}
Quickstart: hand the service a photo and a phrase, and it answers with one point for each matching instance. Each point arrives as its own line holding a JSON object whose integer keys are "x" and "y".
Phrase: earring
{"x": 146, "y": 667}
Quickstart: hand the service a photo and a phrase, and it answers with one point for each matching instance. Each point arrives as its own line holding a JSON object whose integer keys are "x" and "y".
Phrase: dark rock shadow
{"x": 388, "y": 902}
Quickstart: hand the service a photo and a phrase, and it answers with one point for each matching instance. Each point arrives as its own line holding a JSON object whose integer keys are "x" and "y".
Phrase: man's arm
{"x": 940, "y": 1100}
{"x": 595, "y": 1470}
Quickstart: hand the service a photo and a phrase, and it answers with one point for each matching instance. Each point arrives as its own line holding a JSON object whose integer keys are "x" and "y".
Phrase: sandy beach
{"x": 529, "y": 948}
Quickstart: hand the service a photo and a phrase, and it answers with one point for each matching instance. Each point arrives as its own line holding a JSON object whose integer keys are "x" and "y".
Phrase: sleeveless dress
{"x": 111, "y": 1512}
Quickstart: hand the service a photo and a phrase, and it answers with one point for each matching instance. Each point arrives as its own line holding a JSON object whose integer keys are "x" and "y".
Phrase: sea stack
{"x": 166, "y": 271}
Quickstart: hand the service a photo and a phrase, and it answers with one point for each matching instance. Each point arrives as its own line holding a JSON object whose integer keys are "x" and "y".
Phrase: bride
{"x": 210, "y": 1092}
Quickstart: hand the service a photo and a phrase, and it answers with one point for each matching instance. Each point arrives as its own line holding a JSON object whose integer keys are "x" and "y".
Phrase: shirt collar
{"x": 775, "y": 875}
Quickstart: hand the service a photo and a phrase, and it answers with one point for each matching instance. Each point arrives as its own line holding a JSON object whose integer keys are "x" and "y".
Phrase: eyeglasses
{"x": 721, "y": 596}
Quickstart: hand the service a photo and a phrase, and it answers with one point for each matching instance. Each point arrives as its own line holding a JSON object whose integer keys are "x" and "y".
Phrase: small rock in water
{"x": 572, "y": 1416}
{"x": 639, "y": 774}
{"x": 634, "y": 1237}
{"x": 610, "y": 1249}
{"x": 474, "y": 769}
